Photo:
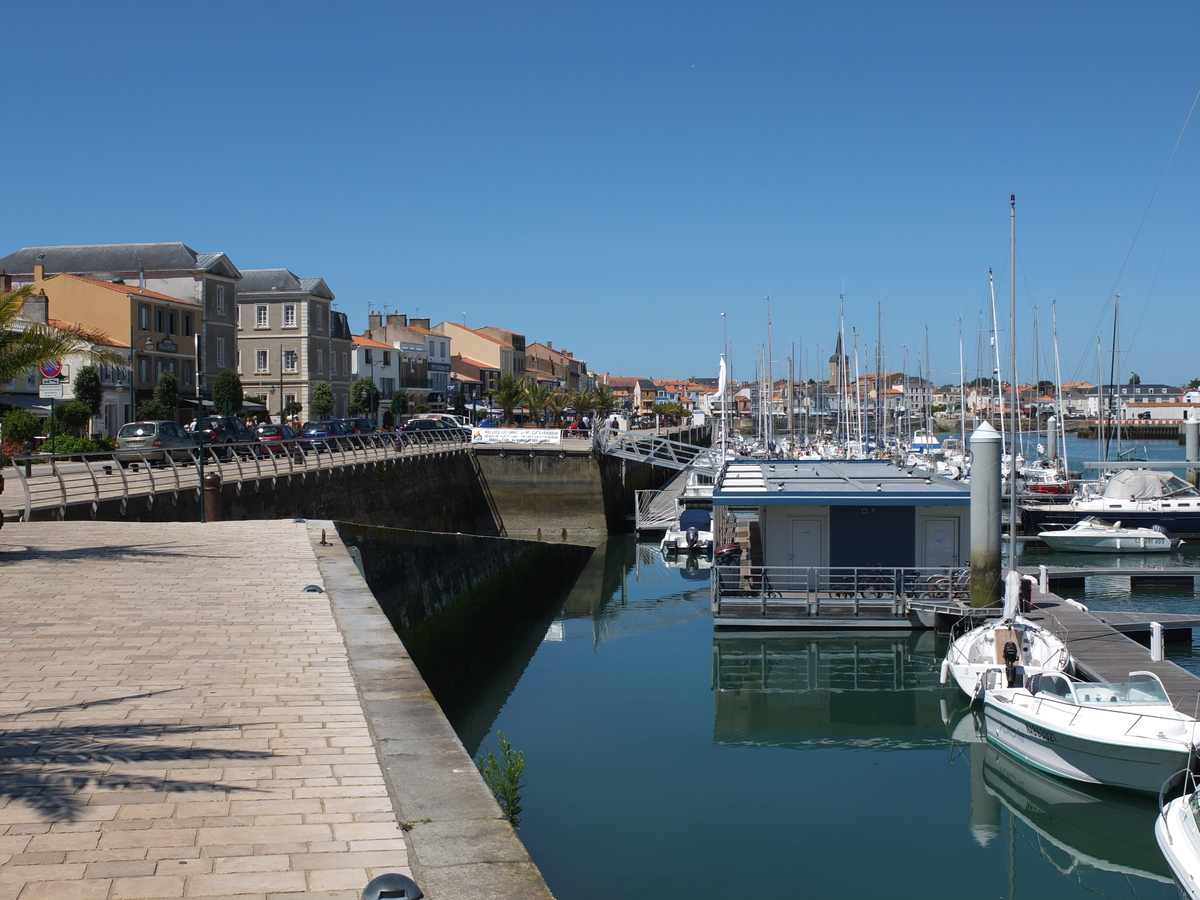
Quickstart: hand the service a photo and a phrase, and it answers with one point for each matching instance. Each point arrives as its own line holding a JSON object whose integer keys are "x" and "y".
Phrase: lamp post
{"x": 281, "y": 400}
{"x": 148, "y": 344}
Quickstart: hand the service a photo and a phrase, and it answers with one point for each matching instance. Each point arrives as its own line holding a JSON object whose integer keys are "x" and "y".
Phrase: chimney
{"x": 36, "y": 308}
{"x": 39, "y": 273}
{"x": 374, "y": 320}
{"x": 549, "y": 346}
{"x": 420, "y": 323}
{"x": 399, "y": 320}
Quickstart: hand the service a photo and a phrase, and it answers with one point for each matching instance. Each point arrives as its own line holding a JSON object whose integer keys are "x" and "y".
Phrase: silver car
{"x": 157, "y": 441}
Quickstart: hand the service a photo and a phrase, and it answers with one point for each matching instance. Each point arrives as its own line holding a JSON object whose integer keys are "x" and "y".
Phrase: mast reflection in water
{"x": 661, "y": 762}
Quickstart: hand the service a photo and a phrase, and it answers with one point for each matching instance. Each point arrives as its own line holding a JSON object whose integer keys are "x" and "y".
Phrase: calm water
{"x": 665, "y": 761}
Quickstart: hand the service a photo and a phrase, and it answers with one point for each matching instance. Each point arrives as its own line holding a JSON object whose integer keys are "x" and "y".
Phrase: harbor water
{"x": 667, "y": 760}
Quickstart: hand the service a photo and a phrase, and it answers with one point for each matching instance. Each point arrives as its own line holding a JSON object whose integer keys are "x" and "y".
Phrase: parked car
{"x": 279, "y": 439}
{"x": 360, "y": 425}
{"x": 154, "y": 441}
{"x": 223, "y": 430}
{"x": 489, "y": 422}
{"x": 430, "y": 430}
{"x": 324, "y": 435}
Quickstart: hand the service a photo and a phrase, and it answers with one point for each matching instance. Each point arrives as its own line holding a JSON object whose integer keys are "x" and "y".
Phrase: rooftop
{"x": 833, "y": 483}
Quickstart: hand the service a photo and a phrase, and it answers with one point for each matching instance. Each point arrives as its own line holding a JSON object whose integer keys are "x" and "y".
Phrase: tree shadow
{"x": 16, "y": 552}
{"x": 48, "y": 768}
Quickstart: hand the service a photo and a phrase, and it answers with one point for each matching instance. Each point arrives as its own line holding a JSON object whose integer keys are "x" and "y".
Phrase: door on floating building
{"x": 806, "y": 548}
{"x": 939, "y": 542}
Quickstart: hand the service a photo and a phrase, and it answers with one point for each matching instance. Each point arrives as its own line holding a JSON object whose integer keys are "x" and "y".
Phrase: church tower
{"x": 839, "y": 367}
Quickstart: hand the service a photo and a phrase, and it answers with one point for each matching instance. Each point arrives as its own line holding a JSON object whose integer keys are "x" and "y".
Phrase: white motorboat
{"x": 691, "y": 532}
{"x": 1096, "y": 535}
{"x": 1125, "y": 735}
{"x": 1004, "y": 652}
{"x": 1138, "y": 497}
{"x": 1177, "y": 829}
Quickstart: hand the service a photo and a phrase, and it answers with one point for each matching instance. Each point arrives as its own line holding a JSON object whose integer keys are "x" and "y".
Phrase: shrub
{"x": 20, "y": 425}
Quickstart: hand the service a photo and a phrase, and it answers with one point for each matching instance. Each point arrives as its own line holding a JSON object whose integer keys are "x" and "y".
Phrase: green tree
{"x": 166, "y": 393}
{"x": 322, "y": 400}
{"x": 364, "y": 398}
{"x": 399, "y": 403}
{"x": 72, "y": 418}
{"x": 20, "y": 425}
{"x": 558, "y": 403}
{"x": 88, "y": 390}
{"x": 603, "y": 400}
{"x": 537, "y": 398}
{"x": 25, "y": 348}
{"x": 292, "y": 408}
{"x": 1135, "y": 378}
{"x": 228, "y": 386}
{"x": 1193, "y": 384}
{"x": 506, "y": 394}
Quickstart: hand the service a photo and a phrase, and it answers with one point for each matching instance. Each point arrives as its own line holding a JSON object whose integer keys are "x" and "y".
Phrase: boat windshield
{"x": 1142, "y": 689}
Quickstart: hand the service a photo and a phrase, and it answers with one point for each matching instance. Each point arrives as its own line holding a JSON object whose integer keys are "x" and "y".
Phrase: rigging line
{"x": 1158, "y": 269}
{"x": 1154, "y": 196}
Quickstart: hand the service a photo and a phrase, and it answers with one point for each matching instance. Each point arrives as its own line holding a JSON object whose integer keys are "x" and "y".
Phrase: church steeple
{"x": 839, "y": 366}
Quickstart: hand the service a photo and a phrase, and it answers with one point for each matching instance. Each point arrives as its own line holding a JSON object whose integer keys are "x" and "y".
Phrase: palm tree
{"x": 27, "y": 347}
{"x": 603, "y": 401}
{"x": 558, "y": 403}
{"x": 506, "y": 394}
{"x": 537, "y": 398}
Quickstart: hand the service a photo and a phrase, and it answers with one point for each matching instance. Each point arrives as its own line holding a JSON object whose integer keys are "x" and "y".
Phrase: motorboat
{"x": 1177, "y": 830}
{"x": 691, "y": 532}
{"x": 1137, "y": 497}
{"x": 1004, "y": 652}
{"x": 1126, "y": 735}
{"x": 1044, "y": 477}
{"x": 1096, "y": 535}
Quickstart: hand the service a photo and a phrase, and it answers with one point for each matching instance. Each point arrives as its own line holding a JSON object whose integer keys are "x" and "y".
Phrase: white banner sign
{"x": 516, "y": 436}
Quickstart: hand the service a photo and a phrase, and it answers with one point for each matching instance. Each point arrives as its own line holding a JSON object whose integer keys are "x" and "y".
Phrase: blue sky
{"x": 611, "y": 177}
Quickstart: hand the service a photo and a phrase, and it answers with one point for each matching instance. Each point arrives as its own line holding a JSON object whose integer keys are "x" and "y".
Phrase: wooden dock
{"x": 1104, "y": 651}
{"x": 1073, "y": 576}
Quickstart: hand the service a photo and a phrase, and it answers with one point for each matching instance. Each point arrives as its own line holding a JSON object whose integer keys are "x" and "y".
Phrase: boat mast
{"x": 1012, "y": 326}
{"x": 996, "y": 368}
{"x": 1058, "y": 404}
{"x": 962, "y": 392}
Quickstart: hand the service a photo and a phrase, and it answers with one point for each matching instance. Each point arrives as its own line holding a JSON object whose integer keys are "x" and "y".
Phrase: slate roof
{"x": 281, "y": 281}
{"x": 117, "y": 259}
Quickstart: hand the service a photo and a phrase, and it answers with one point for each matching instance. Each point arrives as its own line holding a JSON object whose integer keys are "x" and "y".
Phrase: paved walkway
{"x": 181, "y": 719}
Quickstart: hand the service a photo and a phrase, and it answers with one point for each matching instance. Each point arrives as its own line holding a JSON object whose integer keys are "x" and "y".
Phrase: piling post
{"x": 1191, "y": 432}
{"x": 986, "y": 537}
{"x": 212, "y": 497}
{"x": 1052, "y": 438}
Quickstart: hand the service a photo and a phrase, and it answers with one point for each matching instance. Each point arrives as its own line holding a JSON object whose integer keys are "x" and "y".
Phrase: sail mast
{"x": 1012, "y": 326}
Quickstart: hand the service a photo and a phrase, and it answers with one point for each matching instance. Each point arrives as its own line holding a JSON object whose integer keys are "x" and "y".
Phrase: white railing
{"x": 45, "y": 482}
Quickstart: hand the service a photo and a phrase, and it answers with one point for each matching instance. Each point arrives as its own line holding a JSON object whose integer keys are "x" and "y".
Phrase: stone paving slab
{"x": 180, "y": 719}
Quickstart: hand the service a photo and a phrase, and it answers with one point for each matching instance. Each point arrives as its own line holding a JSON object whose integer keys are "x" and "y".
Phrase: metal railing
{"x": 807, "y": 590}
{"x": 57, "y": 481}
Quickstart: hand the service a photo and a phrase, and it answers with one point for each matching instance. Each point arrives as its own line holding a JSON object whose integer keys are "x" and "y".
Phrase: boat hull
{"x": 1082, "y": 543}
{"x": 976, "y": 660}
{"x": 1143, "y": 766}
{"x": 1179, "y": 840}
{"x": 1038, "y": 517}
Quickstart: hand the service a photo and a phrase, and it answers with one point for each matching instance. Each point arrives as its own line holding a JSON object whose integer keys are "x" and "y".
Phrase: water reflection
{"x": 868, "y": 690}
{"x": 1074, "y": 827}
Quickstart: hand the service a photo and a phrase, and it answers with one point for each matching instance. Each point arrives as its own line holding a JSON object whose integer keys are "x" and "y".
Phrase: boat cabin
{"x": 845, "y": 513}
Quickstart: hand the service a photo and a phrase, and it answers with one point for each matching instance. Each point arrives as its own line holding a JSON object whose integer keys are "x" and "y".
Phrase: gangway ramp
{"x": 657, "y": 450}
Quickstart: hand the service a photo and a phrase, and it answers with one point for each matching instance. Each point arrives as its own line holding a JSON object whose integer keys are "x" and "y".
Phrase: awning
{"x": 31, "y": 402}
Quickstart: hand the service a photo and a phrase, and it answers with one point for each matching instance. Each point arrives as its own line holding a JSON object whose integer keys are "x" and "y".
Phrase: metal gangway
{"x": 658, "y": 450}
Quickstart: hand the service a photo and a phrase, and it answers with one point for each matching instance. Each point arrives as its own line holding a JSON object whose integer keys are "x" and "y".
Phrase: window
{"x": 367, "y": 357}
{"x": 260, "y": 316}
{"x": 289, "y": 361}
{"x": 239, "y": 362}
{"x": 220, "y": 299}
{"x": 220, "y": 352}
{"x": 345, "y": 363}
{"x": 171, "y": 322}
{"x": 187, "y": 325}
{"x": 158, "y": 368}
{"x": 143, "y": 369}
{"x": 289, "y": 315}
{"x": 189, "y": 374}
{"x": 387, "y": 358}
{"x": 143, "y": 317}
{"x": 387, "y": 387}
{"x": 320, "y": 362}
{"x": 158, "y": 319}
{"x": 260, "y": 361}
{"x": 316, "y": 317}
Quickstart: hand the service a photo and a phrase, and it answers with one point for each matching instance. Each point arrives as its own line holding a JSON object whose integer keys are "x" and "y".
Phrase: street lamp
{"x": 148, "y": 343}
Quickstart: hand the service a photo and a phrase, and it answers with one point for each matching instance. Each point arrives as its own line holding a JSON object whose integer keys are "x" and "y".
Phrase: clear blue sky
{"x": 613, "y": 176}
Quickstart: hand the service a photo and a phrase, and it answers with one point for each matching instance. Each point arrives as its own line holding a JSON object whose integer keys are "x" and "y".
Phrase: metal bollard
{"x": 1043, "y": 580}
{"x": 391, "y": 884}
{"x": 1156, "y": 642}
{"x": 28, "y": 461}
{"x": 212, "y": 497}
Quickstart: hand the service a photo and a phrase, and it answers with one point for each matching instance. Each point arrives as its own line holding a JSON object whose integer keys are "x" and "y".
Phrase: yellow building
{"x": 160, "y": 330}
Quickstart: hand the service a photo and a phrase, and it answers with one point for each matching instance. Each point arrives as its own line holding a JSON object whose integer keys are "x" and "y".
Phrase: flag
{"x": 721, "y": 380}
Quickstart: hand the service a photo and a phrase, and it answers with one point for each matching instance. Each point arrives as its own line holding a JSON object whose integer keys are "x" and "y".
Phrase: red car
{"x": 278, "y": 439}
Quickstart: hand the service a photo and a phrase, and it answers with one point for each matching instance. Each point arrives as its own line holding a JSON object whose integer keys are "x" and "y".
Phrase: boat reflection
{"x": 876, "y": 690}
{"x": 1074, "y": 826}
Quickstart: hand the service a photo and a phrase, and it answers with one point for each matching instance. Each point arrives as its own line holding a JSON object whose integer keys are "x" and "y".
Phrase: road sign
{"x": 226, "y": 406}
{"x": 51, "y": 368}
{"x": 50, "y": 389}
